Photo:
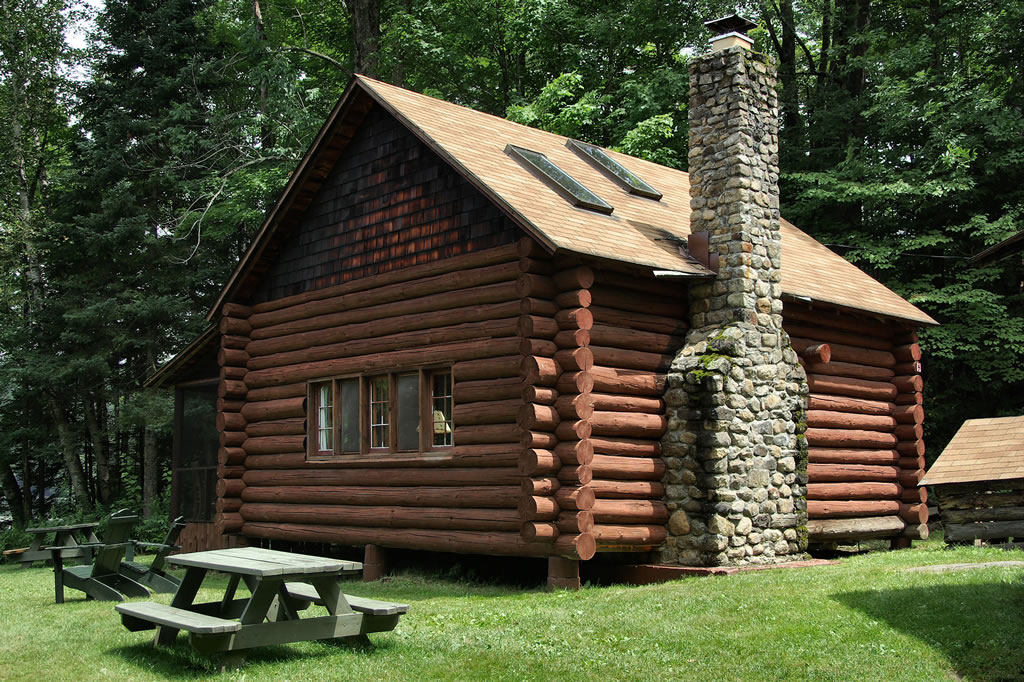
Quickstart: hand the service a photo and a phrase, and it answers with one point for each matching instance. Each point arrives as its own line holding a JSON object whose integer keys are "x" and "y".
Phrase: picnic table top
{"x": 263, "y": 562}
{"x": 63, "y": 529}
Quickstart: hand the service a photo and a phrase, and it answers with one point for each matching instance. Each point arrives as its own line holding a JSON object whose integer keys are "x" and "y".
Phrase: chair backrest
{"x": 115, "y": 542}
{"x": 169, "y": 543}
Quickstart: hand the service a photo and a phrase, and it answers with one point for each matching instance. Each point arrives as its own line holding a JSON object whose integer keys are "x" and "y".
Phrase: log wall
{"x": 864, "y": 426}
{"x": 983, "y": 510}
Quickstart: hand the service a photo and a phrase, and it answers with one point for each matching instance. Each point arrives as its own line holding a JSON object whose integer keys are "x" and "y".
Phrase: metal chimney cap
{"x": 733, "y": 23}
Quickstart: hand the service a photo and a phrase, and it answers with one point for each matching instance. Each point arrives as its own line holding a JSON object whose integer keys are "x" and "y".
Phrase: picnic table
{"x": 280, "y": 584}
{"x": 77, "y": 540}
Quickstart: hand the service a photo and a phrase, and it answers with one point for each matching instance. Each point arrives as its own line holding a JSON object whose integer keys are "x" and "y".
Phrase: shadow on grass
{"x": 978, "y": 627}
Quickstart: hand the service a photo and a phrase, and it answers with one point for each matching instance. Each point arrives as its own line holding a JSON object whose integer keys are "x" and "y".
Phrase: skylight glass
{"x": 559, "y": 180}
{"x": 613, "y": 169}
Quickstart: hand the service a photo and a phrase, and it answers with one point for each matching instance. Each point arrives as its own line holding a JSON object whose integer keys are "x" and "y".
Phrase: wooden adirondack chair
{"x": 102, "y": 580}
{"x": 154, "y": 576}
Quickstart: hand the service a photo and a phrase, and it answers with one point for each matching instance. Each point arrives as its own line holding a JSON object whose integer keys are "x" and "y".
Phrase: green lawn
{"x": 864, "y": 619}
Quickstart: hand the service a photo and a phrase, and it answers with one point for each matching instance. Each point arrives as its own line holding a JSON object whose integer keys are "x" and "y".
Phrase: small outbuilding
{"x": 978, "y": 481}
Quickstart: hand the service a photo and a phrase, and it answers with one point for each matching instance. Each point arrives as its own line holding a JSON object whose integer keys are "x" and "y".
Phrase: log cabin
{"x": 978, "y": 481}
{"x": 455, "y": 333}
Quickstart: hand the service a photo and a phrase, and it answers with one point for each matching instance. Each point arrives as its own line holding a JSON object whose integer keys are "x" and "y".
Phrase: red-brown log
{"x": 236, "y": 310}
{"x": 534, "y": 327}
{"x": 532, "y": 416}
{"x": 537, "y": 394}
{"x": 572, "y": 338}
{"x": 497, "y": 497}
{"x": 910, "y": 478}
{"x": 823, "y": 530}
{"x": 627, "y": 359}
{"x": 228, "y": 388}
{"x": 916, "y": 532}
{"x": 438, "y": 518}
{"x": 575, "y": 452}
{"x": 537, "y": 306}
{"x": 577, "y": 298}
{"x": 230, "y": 487}
{"x": 608, "y": 402}
{"x": 530, "y": 248}
{"x": 911, "y": 448}
{"x": 853, "y": 491}
{"x": 486, "y": 412}
{"x": 485, "y": 369}
{"x": 850, "y": 438}
{"x": 836, "y": 403}
{"x": 227, "y": 472}
{"x": 296, "y": 426}
{"x": 538, "y": 439}
{"x": 231, "y": 439}
{"x": 462, "y": 541}
{"x": 849, "y": 473}
{"x": 228, "y": 504}
{"x": 834, "y": 319}
{"x": 574, "y": 318}
{"x": 905, "y": 336}
{"x": 490, "y": 455}
{"x": 909, "y": 399}
{"x": 628, "y": 490}
{"x": 843, "y": 353}
{"x": 541, "y": 486}
{"x": 912, "y": 462}
{"x": 232, "y": 357}
{"x": 855, "y": 388}
{"x": 580, "y": 498}
{"x": 487, "y": 433}
{"x": 230, "y": 421}
{"x": 277, "y": 392}
{"x": 575, "y": 359}
{"x": 626, "y": 299}
{"x": 235, "y": 326}
{"x": 910, "y": 352}
{"x": 230, "y": 456}
{"x": 628, "y": 468}
{"x": 914, "y": 513}
{"x": 236, "y": 342}
{"x": 916, "y": 495}
{"x": 539, "y": 531}
{"x": 487, "y": 389}
{"x": 542, "y": 508}
{"x": 849, "y": 420}
{"x": 274, "y": 409}
{"x": 233, "y": 373}
{"x": 907, "y": 368}
{"x": 572, "y": 522}
{"x": 225, "y": 405}
{"x": 570, "y": 430}
{"x": 848, "y": 369}
{"x": 908, "y": 414}
{"x": 626, "y": 447}
{"x": 534, "y": 462}
{"x": 816, "y": 352}
{"x": 852, "y": 456}
{"x": 833, "y": 338}
{"x": 272, "y": 445}
{"x": 909, "y": 431}
{"x": 828, "y": 509}
{"x": 535, "y": 286}
{"x": 629, "y": 535}
{"x": 571, "y": 475}
{"x": 537, "y": 266}
{"x": 581, "y": 277}
{"x": 227, "y": 522}
{"x": 627, "y": 424}
{"x": 575, "y": 382}
{"x": 539, "y": 370}
{"x": 454, "y": 477}
{"x": 912, "y": 383}
{"x": 634, "y": 340}
{"x": 628, "y": 381}
{"x": 582, "y": 546}
{"x": 630, "y": 511}
{"x": 638, "y": 320}
{"x": 575, "y": 406}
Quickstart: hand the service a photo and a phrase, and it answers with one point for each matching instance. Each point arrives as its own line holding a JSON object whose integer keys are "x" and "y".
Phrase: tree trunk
{"x": 366, "y": 35}
{"x": 13, "y": 495}
{"x": 76, "y": 473}
{"x": 106, "y": 483}
{"x": 150, "y": 474}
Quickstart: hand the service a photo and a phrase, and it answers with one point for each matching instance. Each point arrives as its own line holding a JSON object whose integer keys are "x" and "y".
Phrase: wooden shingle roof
{"x": 640, "y": 231}
{"x": 982, "y": 450}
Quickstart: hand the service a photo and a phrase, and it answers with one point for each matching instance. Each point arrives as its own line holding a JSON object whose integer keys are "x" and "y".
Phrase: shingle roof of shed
{"x": 641, "y": 231}
{"x": 982, "y": 450}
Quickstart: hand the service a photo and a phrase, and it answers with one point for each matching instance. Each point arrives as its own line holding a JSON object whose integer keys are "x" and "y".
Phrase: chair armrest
{"x": 89, "y": 545}
{"x": 154, "y": 544}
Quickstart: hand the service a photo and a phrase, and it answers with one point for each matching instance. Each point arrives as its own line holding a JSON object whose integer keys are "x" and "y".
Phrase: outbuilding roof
{"x": 642, "y": 231}
{"x": 982, "y": 450}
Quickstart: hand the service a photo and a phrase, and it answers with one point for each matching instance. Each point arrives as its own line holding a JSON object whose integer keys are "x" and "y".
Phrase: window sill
{"x": 385, "y": 458}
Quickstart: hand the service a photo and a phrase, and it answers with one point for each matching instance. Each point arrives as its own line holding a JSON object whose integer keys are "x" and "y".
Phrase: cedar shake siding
{"x": 390, "y": 202}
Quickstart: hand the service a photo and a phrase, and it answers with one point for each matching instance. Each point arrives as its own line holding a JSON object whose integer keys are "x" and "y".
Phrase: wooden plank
{"x": 181, "y": 619}
{"x": 372, "y": 607}
{"x": 262, "y": 562}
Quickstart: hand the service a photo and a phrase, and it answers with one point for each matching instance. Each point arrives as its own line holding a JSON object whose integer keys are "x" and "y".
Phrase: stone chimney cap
{"x": 733, "y": 23}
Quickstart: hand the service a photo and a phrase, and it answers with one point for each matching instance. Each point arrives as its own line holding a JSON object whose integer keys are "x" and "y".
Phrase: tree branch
{"x": 327, "y": 58}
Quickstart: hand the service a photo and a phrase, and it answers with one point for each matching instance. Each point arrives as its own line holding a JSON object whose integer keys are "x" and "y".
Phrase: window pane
{"x": 441, "y": 408}
{"x": 408, "y": 386}
{"x": 350, "y": 415}
{"x": 379, "y": 403}
{"x": 325, "y": 422}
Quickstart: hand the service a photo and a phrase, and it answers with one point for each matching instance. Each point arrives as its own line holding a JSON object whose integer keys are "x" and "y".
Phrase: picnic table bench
{"x": 78, "y": 540}
{"x": 280, "y": 585}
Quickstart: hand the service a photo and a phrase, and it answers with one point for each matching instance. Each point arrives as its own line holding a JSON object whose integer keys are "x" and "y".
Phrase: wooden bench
{"x": 304, "y": 592}
{"x": 147, "y": 615}
{"x": 13, "y": 554}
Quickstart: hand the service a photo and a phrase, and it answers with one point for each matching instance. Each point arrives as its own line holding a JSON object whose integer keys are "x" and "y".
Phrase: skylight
{"x": 613, "y": 169}
{"x": 559, "y": 180}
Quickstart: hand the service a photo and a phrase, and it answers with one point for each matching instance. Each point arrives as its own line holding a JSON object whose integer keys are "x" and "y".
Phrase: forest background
{"x": 143, "y": 140}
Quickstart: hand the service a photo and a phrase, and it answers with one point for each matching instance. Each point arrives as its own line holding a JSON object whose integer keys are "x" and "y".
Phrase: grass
{"x": 866, "y": 618}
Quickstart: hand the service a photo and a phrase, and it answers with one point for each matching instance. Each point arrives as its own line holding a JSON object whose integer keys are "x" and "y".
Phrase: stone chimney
{"x": 737, "y": 397}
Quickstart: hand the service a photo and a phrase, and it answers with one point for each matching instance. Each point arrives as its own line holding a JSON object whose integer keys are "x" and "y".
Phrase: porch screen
{"x": 196, "y": 442}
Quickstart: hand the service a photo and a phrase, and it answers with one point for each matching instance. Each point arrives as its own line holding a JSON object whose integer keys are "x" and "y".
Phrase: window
{"x": 556, "y": 178}
{"x": 613, "y": 169}
{"x": 402, "y": 412}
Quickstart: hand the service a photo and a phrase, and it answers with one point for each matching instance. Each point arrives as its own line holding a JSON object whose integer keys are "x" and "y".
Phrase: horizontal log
{"x": 236, "y": 342}
{"x": 983, "y": 514}
{"x": 296, "y": 426}
{"x": 628, "y": 299}
{"x": 572, "y": 338}
{"x": 487, "y": 389}
{"x": 230, "y": 421}
{"x": 575, "y": 382}
{"x": 852, "y": 456}
{"x": 976, "y": 499}
{"x": 536, "y": 327}
{"x": 648, "y": 536}
{"x": 626, "y": 447}
{"x": 359, "y": 325}
{"x": 633, "y": 339}
{"x": 230, "y": 487}
{"x": 619, "y": 358}
{"x": 228, "y": 504}
{"x": 909, "y": 399}
{"x": 295, "y": 390}
{"x": 643, "y": 284}
{"x": 538, "y": 439}
{"x": 274, "y": 409}
{"x": 628, "y": 424}
{"x": 535, "y": 286}
{"x": 575, "y": 474}
{"x": 573, "y": 522}
{"x": 542, "y": 395}
{"x": 608, "y": 402}
{"x": 534, "y": 417}
{"x": 847, "y": 369}
{"x": 628, "y": 381}
{"x": 905, "y": 336}
{"x": 569, "y": 430}
{"x": 485, "y": 369}
{"x": 849, "y": 420}
{"x": 848, "y": 473}
{"x": 272, "y": 445}
{"x": 580, "y": 498}
{"x": 231, "y": 309}
{"x": 912, "y": 383}
{"x": 911, "y": 448}
{"x": 539, "y": 370}
{"x": 462, "y": 541}
{"x": 461, "y": 351}
{"x": 575, "y": 359}
{"x": 542, "y": 486}
{"x": 454, "y": 477}
{"x": 627, "y": 490}
{"x": 916, "y": 532}
{"x": 230, "y": 357}
{"x": 630, "y": 511}
{"x": 824, "y": 530}
{"x": 227, "y": 523}
{"x": 907, "y": 368}
{"x": 837, "y": 320}
{"x": 536, "y": 266}
{"x": 908, "y": 414}
{"x": 227, "y": 472}
{"x": 914, "y": 495}
{"x": 535, "y": 462}
{"x": 575, "y": 452}
{"x": 581, "y": 547}
{"x": 537, "y": 306}
{"x": 909, "y": 432}
{"x": 849, "y": 438}
{"x": 641, "y": 321}
{"x": 482, "y": 434}
{"x": 853, "y": 491}
{"x": 834, "y": 403}
{"x": 989, "y": 530}
{"x": 226, "y": 405}
{"x": 834, "y": 338}
{"x": 539, "y": 531}
{"x": 914, "y": 513}
{"x": 486, "y": 412}
{"x": 234, "y": 326}
{"x": 576, "y": 298}
{"x": 912, "y": 462}
{"x": 493, "y": 455}
{"x": 909, "y": 352}
{"x": 490, "y": 496}
{"x": 575, "y": 406}
{"x": 574, "y": 318}
{"x": 538, "y": 508}
{"x": 230, "y": 456}
{"x": 842, "y": 353}
{"x": 229, "y": 388}
{"x": 855, "y": 388}
{"x": 231, "y": 439}
{"x": 829, "y": 509}
{"x": 628, "y": 468}
{"x": 910, "y": 478}
{"x": 384, "y": 294}
{"x": 438, "y": 518}
{"x": 233, "y": 373}
{"x": 815, "y": 352}
{"x": 580, "y": 277}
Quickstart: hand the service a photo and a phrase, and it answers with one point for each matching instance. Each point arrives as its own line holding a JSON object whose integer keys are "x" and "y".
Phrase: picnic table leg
{"x": 231, "y": 660}
{"x": 58, "y": 576}
{"x": 260, "y": 601}
{"x": 330, "y": 591}
{"x": 183, "y": 599}
{"x": 37, "y": 542}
